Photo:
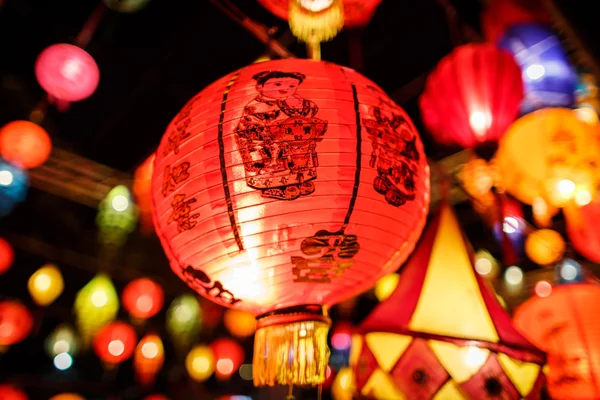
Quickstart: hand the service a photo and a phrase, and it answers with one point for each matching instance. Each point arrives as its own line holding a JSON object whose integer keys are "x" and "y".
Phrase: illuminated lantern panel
{"x": 143, "y": 298}
{"x": 13, "y": 186}
{"x": 499, "y": 15}
{"x": 443, "y": 334}
{"x": 545, "y": 246}
{"x": 200, "y": 363}
{"x": 115, "y": 342}
{"x": 96, "y": 304}
{"x": 228, "y": 357}
{"x": 45, "y": 285}
{"x": 472, "y": 96}
{"x": 15, "y": 322}
{"x": 10, "y": 392}
{"x": 565, "y": 324}
{"x": 582, "y": 229}
{"x": 67, "y": 72}
{"x": 7, "y": 256}
{"x": 549, "y": 156}
{"x": 25, "y": 144}
{"x": 282, "y": 189}
{"x": 550, "y": 80}
{"x": 126, "y": 6}
{"x": 148, "y": 358}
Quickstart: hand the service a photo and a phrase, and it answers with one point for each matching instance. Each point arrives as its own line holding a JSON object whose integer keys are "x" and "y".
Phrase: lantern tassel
{"x": 320, "y": 26}
{"x": 291, "y": 349}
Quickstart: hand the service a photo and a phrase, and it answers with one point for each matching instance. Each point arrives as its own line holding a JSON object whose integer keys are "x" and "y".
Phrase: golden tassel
{"x": 291, "y": 349}
{"x": 316, "y": 26}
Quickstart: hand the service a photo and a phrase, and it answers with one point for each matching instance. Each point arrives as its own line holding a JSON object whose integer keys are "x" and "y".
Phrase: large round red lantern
{"x": 472, "y": 96}
{"x": 15, "y": 322}
{"x": 7, "y": 256}
{"x": 143, "y": 298}
{"x": 9, "y": 392}
{"x": 229, "y": 356}
{"x": 25, "y": 144}
{"x": 282, "y": 189}
{"x": 67, "y": 73}
{"x": 115, "y": 342}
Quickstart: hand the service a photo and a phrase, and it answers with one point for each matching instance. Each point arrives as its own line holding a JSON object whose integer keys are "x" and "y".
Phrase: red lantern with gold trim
{"x": 143, "y": 298}
{"x": 15, "y": 322}
{"x": 275, "y": 191}
{"x": 115, "y": 342}
{"x": 472, "y": 96}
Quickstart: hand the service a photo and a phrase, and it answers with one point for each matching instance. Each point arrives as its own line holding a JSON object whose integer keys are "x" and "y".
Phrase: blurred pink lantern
{"x": 68, "y": 73}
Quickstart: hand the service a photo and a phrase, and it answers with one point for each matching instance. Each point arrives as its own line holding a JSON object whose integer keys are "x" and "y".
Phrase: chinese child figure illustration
{"x": 394, "y": 153}
{"x": 277, "y": 137}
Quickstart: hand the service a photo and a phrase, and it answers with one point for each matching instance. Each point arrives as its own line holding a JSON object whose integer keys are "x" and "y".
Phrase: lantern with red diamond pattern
{"x": 284, "y": 188}
{"x": 442, "y": 334}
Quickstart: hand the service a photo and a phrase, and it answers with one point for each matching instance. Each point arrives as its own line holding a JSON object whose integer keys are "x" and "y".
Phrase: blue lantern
{"x": 550, "y": 80}
{"x": 13, "y": 186}
{"x": 569, "y": 271}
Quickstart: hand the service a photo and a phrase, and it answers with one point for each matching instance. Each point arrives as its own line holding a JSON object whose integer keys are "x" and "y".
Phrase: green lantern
{"x": 63, "y": 339}
{"x": 96, "y": 304}
{"x": 184, "y": 318}
{"x": 117, "y": 216}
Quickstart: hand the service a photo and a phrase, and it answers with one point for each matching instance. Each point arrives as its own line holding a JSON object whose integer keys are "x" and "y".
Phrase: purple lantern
{"x": 550, "y": 80}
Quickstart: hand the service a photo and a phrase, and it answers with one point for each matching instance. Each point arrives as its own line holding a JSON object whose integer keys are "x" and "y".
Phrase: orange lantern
{"x": 228, "y": 355}
{"x": 279, "y": 197}
{"x": 566, "y": 324}
{"x": 443, "y": 334}
{"x": 582, "y": 229}
{"x": 499, "y": 15}
{"x": 545, "y": 246}
{"x": 9, "y": 392}
{"x": 115, "y": 342}
{"x": 240, "y": 324}
{"x": 142, "y": 298}
{"x": 549, "y": 156}
{"x": 15, "y": 322}
{"x": 67, "y": 396}
{"x": 7, "y": 256}
{"x": 456, "y": 105}
{"x": 148, "y": 358}
{"x": 25, "y": 144}
{"x": 142, "y": 190}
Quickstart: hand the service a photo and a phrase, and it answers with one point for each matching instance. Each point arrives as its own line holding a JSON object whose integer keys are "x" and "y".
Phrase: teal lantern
{"x": 117, "y": 216}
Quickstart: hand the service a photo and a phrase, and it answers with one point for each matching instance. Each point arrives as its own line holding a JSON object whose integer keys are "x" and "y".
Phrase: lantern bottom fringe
{"x": 291, "y": 353}
{"x": 321, "y": 26}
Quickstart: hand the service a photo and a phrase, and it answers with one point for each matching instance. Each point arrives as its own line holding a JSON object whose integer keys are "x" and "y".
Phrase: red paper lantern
{"x": 142, "y": 298}
{"x": 115, "y": 342}
{"x": 284, "y": 188}
{"x": 229, "y": 356}
{"x": 356, "y": 12}
{"x": 9, "y": 392}
{"x": 7, "y": 256}
{"x": 582, "y": 229}
{"x": 15, "y": 322}
{"x": 67, "y": 73}
{"x": 25, "y": 144}
{"x": 499, "y": 15}
{"x": 472, "y": 96}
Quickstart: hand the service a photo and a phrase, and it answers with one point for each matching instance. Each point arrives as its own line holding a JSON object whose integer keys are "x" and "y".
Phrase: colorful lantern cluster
{"x": 550, "y": 80}
{"x": 472, "y": 96}
{"x": 45, "y": 285}
{"x": 566, "y": 324}
{"x": 95, "y": 305}
{"x": 15, "y": 322}
{"x": 13, "y": 186}
{"x": 25, "y": 144}
{"x": 276, "y": 198}
{"x": 67, "y": 73}
{"x": 443, "y": 334}
{"x": 117, "y": 216}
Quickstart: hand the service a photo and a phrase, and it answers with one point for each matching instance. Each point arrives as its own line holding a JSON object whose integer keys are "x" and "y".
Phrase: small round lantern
{"x": 117, "y": 216}
{"x": 241, "y": 324}
{"x": 96, "y": 304}
{"x": 15, "y": 322}
{"x": 10, "y": 392}
{"x": 545, "y": 246}
{"x": 148, "y": 358}
{"x": 13, "y": 186}
{"x": 45, "y": 285}
{"x": 115, "y": 342}
{"x": 200, "y": 363}
{"x": 184, "y": 319}
{"x": 549, "y": 155}
{"x": 7, "y": 256}
{"x": 24, "y": 143}
{"x": 456, "y": 105}
{"x": 67, "y": 73}
{"x": 550, "y": 80}
{"x": 277, "y": 199}
{"x": 142, "y": 298}
{"x": 229, "y": 356}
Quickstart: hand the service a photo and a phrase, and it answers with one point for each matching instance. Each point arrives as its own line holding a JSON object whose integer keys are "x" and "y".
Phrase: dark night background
{"x": 151, "y": 63}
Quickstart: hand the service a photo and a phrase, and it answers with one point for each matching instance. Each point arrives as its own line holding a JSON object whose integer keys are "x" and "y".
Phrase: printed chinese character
{"x": 181, "y": 213}
{"x": 173, "y": 177}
